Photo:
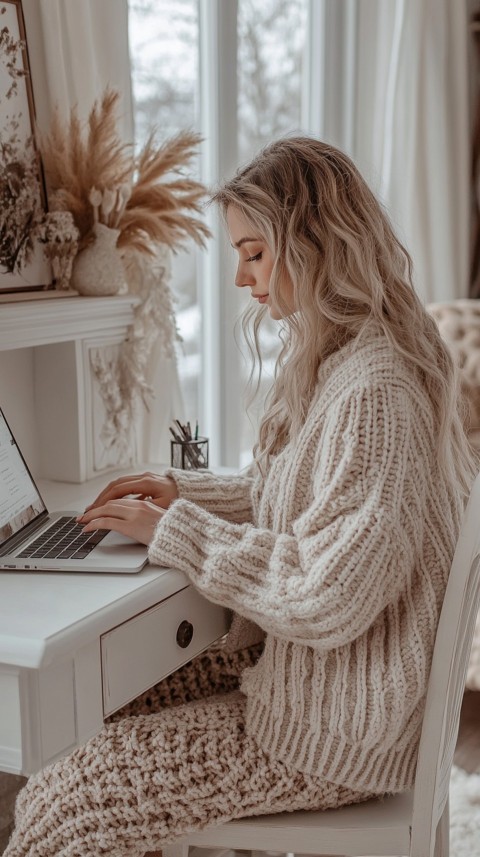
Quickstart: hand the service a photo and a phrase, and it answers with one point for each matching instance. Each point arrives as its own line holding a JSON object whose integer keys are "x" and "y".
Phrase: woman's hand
{"x": 160, "y": 490}
{"x": 134, "y": 518}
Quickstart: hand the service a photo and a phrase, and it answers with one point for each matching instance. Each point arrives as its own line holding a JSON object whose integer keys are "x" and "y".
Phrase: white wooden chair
{"x": 415, "y": 823}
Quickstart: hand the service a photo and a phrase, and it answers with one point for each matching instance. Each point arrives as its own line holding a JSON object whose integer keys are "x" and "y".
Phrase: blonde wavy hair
{"x": 331, "y": 238}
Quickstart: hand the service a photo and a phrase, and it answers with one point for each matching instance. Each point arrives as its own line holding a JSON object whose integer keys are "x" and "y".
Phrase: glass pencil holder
{"x": 189, "y": 454}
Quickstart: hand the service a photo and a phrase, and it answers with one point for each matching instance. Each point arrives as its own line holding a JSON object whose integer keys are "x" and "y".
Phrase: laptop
{"x": 31, "y": 538}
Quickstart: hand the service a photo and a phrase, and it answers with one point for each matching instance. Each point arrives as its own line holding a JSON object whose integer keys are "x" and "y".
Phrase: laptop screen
{"x": 20, "y": 501}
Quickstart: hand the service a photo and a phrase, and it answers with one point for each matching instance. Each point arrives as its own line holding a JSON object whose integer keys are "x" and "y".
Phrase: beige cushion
{"x": 459, "y": 325}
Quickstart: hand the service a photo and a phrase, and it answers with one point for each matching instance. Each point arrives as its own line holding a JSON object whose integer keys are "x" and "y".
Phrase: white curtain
{"x": 408, "y": 121}
{"x": 77, "y": 48}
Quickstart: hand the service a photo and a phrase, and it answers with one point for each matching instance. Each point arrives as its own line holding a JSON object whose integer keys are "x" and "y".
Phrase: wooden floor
{"x": 467, "y": 756}
{"x": 9, "y": 786}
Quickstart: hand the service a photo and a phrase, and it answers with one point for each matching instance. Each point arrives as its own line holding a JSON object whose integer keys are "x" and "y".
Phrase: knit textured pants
{"x": 174, "y": 761}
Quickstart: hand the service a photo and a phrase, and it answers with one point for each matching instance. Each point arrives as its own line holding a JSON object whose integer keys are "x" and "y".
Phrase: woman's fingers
{"x": 134, "y": 518}
{"x": 115, "y": 490}
{"x": 144, "y": 484}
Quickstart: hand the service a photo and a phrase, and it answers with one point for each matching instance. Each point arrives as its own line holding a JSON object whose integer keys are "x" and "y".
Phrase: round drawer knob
{"x": 184, "y": 634}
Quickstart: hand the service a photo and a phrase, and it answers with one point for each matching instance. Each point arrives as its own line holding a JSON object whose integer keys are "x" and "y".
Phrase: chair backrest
{"x": 447, "y": 680}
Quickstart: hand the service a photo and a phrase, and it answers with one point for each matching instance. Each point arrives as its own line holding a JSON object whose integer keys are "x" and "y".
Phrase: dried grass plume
{"x": 148, "y": 197}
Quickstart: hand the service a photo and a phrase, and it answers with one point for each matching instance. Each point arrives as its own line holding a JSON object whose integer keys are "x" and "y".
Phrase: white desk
{"x": 76, "y": 647}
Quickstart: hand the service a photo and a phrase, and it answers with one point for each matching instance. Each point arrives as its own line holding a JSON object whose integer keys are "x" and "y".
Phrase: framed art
{"x": 23, "y": 266}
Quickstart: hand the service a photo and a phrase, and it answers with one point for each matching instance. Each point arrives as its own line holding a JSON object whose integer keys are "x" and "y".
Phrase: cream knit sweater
{"x": 341, "y": 555}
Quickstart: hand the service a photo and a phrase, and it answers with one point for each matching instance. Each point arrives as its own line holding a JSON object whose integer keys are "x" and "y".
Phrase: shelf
{"x": 35, "y": 322}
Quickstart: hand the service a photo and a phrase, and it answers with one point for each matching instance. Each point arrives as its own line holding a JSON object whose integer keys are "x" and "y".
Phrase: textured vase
{"x": 98, "y": 269}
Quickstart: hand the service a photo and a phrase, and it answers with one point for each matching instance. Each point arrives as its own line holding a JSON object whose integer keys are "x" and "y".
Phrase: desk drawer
{"x": 143, "y": 650}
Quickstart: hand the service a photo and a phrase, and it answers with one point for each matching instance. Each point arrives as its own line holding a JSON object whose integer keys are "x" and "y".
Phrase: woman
{"x": 334, "y": 550}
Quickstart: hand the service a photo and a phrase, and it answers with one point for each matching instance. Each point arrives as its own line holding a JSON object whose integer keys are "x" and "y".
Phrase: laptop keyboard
{"x": 64, "y": 540}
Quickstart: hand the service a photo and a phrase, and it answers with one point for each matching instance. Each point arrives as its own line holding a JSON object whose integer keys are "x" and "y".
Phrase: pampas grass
{"x": 156, "y": 210}
{"x": 148, "y": 198}
{"x": 78, "y": 159}
{"x": 154, "y": 205}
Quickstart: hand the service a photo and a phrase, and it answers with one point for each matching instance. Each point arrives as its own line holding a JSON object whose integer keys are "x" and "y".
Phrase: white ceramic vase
{"x": 98, "y": 269}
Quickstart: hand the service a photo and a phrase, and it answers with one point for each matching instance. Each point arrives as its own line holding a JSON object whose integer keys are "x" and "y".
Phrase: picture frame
{"x": 23, "y": 266}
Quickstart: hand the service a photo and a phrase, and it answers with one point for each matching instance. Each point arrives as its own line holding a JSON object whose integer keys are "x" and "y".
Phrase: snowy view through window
{"x": 164, "y": 47}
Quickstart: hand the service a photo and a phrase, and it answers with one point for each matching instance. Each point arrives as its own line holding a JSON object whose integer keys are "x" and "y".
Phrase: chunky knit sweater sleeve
{"x": 346, "y": 557}
{"x": 230, "y": 496}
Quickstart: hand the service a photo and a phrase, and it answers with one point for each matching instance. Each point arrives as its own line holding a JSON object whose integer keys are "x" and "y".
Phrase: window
{"x": 271, "y": 44}
{"x": 163, "y": 36}
{"x": 256, "y": 56}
